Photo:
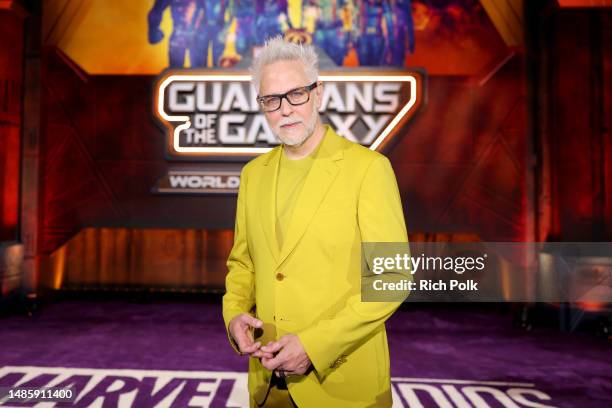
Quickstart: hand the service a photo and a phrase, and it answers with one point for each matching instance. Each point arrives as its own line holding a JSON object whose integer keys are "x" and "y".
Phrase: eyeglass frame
{"x": 307, "y": 88}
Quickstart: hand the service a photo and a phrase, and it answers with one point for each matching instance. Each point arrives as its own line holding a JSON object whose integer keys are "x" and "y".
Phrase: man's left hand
{"x": 291, "y": 358}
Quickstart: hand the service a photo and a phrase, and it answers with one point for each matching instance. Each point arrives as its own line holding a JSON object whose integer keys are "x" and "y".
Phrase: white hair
{"x": 277, "y": 49}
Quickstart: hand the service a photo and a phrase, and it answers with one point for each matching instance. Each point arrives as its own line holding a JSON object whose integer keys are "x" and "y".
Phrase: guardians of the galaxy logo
{"x": 217, "y": 114}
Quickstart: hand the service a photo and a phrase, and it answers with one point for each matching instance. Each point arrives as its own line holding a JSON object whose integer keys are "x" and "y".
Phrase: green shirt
{"x": 291, "y": 177}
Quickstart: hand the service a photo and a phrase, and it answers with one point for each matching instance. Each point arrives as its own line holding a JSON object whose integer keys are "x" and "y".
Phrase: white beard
{"x": 299, "y": 140}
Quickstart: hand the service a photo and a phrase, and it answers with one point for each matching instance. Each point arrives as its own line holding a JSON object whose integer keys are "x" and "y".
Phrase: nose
{"x": 286, "y": 108}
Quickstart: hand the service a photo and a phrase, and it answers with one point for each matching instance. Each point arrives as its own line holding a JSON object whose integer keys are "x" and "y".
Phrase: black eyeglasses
{"x": 297, "y": 96}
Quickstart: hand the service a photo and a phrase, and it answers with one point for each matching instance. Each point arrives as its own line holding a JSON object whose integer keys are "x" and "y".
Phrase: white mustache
{"x": 287, "y": 121}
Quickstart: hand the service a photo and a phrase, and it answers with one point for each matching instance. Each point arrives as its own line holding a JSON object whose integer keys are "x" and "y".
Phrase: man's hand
{"x": 240, "y": 329}
{"x": 291, "y": 358}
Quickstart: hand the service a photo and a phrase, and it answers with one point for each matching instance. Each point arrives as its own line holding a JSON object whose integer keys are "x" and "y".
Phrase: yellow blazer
{"x": 311, "y": 286}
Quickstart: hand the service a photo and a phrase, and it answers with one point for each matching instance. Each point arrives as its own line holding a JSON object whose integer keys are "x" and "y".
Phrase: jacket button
{"x": 280, "y": 276}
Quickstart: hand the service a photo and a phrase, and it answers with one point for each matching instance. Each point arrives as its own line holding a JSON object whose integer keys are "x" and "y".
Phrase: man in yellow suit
{"x": 293, "y": 291}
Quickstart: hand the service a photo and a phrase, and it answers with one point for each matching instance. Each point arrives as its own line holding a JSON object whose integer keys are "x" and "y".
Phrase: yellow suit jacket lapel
{"x": 323, "y": 172}
{"x": 267, "y": 188}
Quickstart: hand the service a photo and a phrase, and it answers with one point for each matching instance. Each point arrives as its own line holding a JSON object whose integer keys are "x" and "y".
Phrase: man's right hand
{"x": 240, "y": 330}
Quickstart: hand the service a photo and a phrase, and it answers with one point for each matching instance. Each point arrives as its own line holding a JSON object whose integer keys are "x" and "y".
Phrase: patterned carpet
{"x": 118, "y": 353}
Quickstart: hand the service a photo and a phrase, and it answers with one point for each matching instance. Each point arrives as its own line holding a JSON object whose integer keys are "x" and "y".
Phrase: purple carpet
{"x": 118, "y": 353}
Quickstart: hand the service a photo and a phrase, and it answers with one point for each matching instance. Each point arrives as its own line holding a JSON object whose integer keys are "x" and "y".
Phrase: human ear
{"x": 319, "y": 94}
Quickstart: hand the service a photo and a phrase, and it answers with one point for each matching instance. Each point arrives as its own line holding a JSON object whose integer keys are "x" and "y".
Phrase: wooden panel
{"x": 579, "y": 140}
{"x": 186, "y": 258}
{"x": 606, "y": 34}
{"x": 121, "y": 258}
{"x": 11, "y": 57}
